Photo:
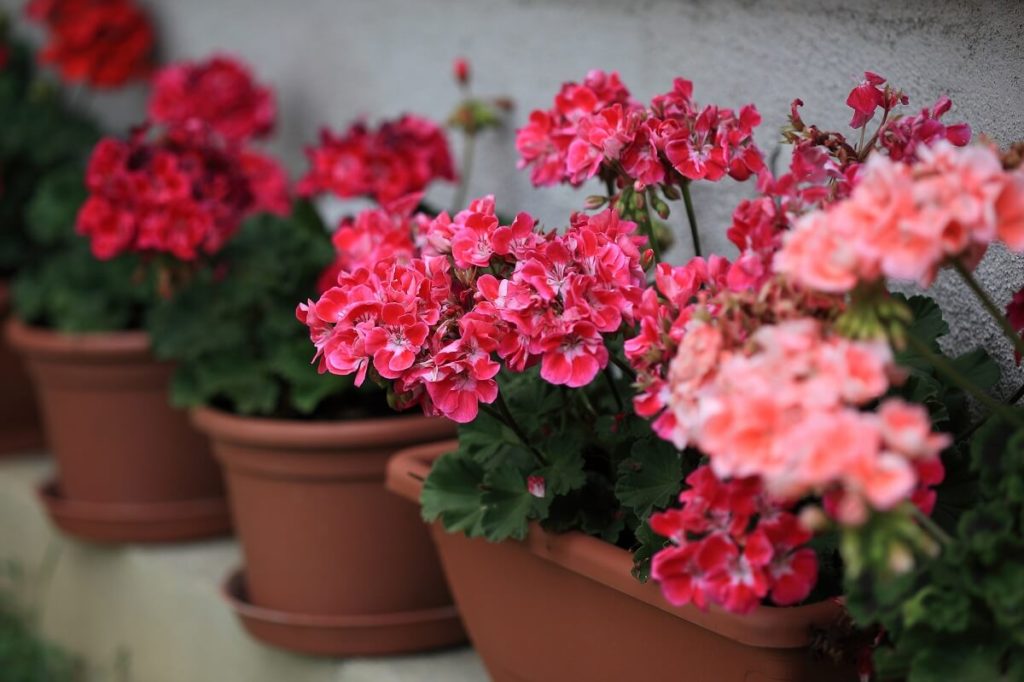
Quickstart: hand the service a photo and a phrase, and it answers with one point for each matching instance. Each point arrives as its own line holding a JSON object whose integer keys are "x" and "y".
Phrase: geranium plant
{"x": 259, "y": 362}
{"x": 46, "y": 142}
{"x": 764, "y": 428}
{"x": 157, "y": 206}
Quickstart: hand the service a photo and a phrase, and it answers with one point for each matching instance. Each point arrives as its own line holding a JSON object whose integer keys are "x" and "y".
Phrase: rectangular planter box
{"x": 565, "y": 607}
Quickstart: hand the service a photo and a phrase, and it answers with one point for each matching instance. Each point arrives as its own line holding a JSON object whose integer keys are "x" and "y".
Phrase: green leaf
{"x": 648, "y": 544}
{"x": 453, "y": 492}
{"x": 564, "y": 471}
{"x": 485, "y": 437}
{"x": 952, "y": 607}
{"x": 507, "y": 504}
{"x": 979, "y": 367}
{"x": 650, "y": 478}
{"x": 928, "y": 324}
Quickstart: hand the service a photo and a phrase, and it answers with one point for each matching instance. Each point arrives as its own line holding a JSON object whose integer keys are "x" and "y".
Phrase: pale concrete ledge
{"x": 154, "y": 614}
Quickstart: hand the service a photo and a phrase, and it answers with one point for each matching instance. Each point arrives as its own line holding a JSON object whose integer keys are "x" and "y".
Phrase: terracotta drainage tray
{"x": 104, "y": 522}
{"x": 344, "y": 635}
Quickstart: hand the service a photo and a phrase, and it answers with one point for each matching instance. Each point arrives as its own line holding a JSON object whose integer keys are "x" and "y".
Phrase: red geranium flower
{"x": 103, "y": 43}
{"x": 181, "y": 192}
{"x": 219, "y": 91}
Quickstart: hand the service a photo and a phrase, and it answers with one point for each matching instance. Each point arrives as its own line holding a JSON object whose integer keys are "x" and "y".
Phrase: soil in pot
{"x": 130, "y": 467}
{"x": 565, "y": 607}
{"x": 20, "y": 428}
{"x": 334, "y": 564}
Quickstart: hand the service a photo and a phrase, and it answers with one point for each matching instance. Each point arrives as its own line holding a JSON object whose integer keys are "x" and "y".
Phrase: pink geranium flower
{"x": 905, "y": 221}
{"x": 435, "y": 308}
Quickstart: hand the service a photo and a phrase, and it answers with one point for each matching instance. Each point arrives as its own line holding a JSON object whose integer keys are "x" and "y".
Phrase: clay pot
{"x": 20, "y": 429}
{"x": 565, "y": 607}
{"x": 334, "y": 564}
{"x": 130, "y": 467}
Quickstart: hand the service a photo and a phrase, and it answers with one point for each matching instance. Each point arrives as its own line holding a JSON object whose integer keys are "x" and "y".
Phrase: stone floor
{"x": 154, "y": 613}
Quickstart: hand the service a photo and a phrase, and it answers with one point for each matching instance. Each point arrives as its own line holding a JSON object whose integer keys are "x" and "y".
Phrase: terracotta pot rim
{"x": 766, "y": 626}
{"x": 43, "y": 342}
{"x": 233, "y": 589}
{"x": 165, "y": 521}
{"x": 342, "y": 435}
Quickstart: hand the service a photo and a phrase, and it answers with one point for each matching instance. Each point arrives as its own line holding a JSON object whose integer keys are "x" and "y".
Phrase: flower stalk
{"x": 990, "y": 306}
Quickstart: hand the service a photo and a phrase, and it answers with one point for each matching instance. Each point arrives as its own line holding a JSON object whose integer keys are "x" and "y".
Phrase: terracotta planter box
{"x": 20, "y": 429}
{"x": 565, "y": 607}
{"x": 129, "y": 467}
{"x": 334, "y": 564}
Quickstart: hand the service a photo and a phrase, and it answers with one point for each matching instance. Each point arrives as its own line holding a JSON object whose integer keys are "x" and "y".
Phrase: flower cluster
{"x": 904, "y": 221}
{"x": 714, "y": 287}
{"x": 732, "y": 546}
{"x": 433, "y": 325}
{"x": 595, "y": 127}
{"x": 103, "y": 43}
{"x": 375, "y": 235}
{"x": 824, "y": 167}
{"x": 786, "y": 405}
{"x": 219, "y": 91}
{"x": 400, "y": 157}
{"x": 182, "y": 193}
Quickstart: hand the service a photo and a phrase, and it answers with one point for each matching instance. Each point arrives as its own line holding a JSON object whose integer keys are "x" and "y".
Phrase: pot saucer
{"x": 136, "y": 522}
{"x": 354, "y": 635}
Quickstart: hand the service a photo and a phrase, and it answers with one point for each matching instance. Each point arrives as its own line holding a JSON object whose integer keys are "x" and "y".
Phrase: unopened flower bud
{"x": 660, "y": 207}
{"x": 646, "y": 258}
{"x": 594, "y": 201}
{"x": 671, "y": 192}
{"x": 901, "y": 559}
{"x": 813, "y": 518}
{"x": 536, "y": 486}
{"x": 460, "y": 68}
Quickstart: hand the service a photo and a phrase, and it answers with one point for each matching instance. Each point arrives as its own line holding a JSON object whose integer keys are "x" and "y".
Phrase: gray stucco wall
{"x": 332, "y": 60}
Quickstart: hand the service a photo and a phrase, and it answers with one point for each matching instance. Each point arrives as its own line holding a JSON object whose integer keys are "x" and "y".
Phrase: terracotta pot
{"x": 565, "y": 607}
{"x": 334, "y": 564}
{"x": 20, "y": 429}
{"x": 130, "y": 467}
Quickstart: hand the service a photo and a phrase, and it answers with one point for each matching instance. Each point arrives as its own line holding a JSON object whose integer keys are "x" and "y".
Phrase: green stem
{"x": 468, "y": 152}
{"x": 1013, "y": 399}
{"x": 953, "y": 374}
{"x": 929, "y": 525}
{"x": 623, "y": 365}
{"x": 692, "y": 218}
{"x": 615, "y": 389}
{"x": 510, "y": 421}
{"x": 648, "y": 226}
{"x": 990, "y": 306}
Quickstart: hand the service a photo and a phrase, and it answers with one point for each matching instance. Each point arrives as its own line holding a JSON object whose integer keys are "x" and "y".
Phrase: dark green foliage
{"x": 67, "y": 288}
{"x": 44, "y": 146}
{"x": 604, "y": 471}
{"x": 73, "y": 292}
{"x": 961, "y": 616}
{"x": 39, "y": 133}
{"x": 233, "y": 333}
{"x": 24, "y": 656}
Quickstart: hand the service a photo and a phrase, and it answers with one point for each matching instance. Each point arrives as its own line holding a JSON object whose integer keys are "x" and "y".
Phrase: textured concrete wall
{"x": 332, "y": 60}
